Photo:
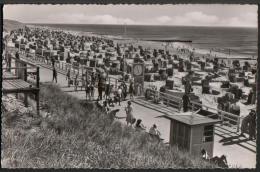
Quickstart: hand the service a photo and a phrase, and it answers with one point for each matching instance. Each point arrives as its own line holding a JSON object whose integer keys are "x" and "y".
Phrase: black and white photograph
{"x": 122, "y": 86}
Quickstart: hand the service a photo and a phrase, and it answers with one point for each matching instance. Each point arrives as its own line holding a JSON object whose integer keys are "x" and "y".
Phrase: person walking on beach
{"x": 107, "y": 90}
{"x": 68, "y": 78}
{"x": 93, "y": 78}
{"x": 124, "y": 90}
{"x": 52, "y": 62}
{"x": 131, "y": 90}
{"x": 83, "y": 82}
{"x": 119, "y": 95}
{"x": 129, "y": 114}
{"x": 76, "y": 82}
{"x": 252, "y": 125}
{"x": 17, "y": 56}
{"x": 87, "y": 89}
{"x": 185, "y": 102}
{"x": 54, "y": 74}
{"x": 100, "y": 89}
{"x": 245, "y": 124}
{"x": 92, "y": 90}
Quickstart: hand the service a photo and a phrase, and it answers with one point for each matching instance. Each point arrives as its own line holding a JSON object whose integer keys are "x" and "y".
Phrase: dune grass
{"x": 78, "y": 135}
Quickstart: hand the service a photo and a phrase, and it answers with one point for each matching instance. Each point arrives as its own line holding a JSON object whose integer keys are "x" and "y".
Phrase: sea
{"x": 227, "y": 40}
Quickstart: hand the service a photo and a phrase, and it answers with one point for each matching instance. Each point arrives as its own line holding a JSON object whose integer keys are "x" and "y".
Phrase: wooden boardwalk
{"x": 17, "y": 86}
{"x": 15, "y": 80}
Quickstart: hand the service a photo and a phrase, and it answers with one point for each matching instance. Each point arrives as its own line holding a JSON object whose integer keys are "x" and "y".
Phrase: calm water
{"x": 242, "y": 41}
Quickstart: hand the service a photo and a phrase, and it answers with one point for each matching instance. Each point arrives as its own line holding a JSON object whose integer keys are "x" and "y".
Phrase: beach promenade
{"x": 232, "y": 146}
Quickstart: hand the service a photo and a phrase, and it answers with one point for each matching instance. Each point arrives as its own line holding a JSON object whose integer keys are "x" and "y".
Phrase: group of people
{"x": 130, "y": 119}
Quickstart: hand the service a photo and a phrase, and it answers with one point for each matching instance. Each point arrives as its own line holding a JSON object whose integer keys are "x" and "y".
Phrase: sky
{"x": 184, "y": 15}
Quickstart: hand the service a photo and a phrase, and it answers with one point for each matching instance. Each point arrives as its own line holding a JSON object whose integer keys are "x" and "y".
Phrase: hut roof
{"x": 191, "y": 119}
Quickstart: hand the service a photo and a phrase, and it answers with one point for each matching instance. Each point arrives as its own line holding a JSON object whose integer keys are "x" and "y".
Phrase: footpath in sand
{"x": 233, "y": 151}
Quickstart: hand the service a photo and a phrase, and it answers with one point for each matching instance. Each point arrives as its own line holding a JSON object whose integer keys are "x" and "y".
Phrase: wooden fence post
{"x": 180, "y": 105}
{"x": 238, "y": 124}
{"x": 38, "y": 77}
{"x": 25, "y": 72}
{"x": 9, "y": 62}
{"x": 222, "y": 118}
{"x": 37, "y": 97}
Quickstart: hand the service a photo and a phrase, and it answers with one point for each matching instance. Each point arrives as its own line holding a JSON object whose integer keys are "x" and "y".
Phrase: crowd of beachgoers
{"x": 226, "y": 84}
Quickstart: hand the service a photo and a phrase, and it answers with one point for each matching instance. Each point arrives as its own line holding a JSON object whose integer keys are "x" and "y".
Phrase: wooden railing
{"x": 223, "y": 115}
{"x": 63, "y": 66}
{"x": 20, "y": 70}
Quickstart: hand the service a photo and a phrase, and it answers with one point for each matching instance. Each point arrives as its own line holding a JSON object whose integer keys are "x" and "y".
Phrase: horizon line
{"x": 28, "y": 23}
{"x": 255, "y": 27}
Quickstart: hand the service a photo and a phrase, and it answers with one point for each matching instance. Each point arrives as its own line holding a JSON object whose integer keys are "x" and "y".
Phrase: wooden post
{"x": 16, "y": 65}
{"x": 25, "y": 72}
{"x": 82, "y": 70}
{"x": 38, "y": 77}
{"x": 238, "y": 124}
{"x": 9, "y": 59}
{"x": 26, "y": 99}
{"x": 179, "y": 108}
{"x": 167, "y": 102}
{"x": 222, "y": 118}
{"x": 37, "y": 103}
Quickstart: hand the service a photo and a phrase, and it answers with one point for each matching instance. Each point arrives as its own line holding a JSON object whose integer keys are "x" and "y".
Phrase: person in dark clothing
{"x": 87, "y": 89}
{"x": 17, "y": 56}
{"x": 131, "y": 90}
{"x": 54, "y": 76}
{"x": 68, "y": 77}
{"x": 100, "y": 89}
{"x": 185, "y": 102}
{"x": 52, "y": 62}
{"x": 107, "y": 91}
{"x": 252, "y": 125}
{"x": 92, "y": 90}
{"x": 250, "y": 95}
{"x": 124, "y": 89}
{"x": 93, "y": 78}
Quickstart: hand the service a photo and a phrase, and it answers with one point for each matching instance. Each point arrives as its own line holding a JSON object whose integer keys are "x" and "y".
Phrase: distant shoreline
{"x": 151, "y": 44}
{"x": 231, "y": 27}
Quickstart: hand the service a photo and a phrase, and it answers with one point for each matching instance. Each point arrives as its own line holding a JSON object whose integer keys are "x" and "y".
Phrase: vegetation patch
{"x": 76, "y": 134}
